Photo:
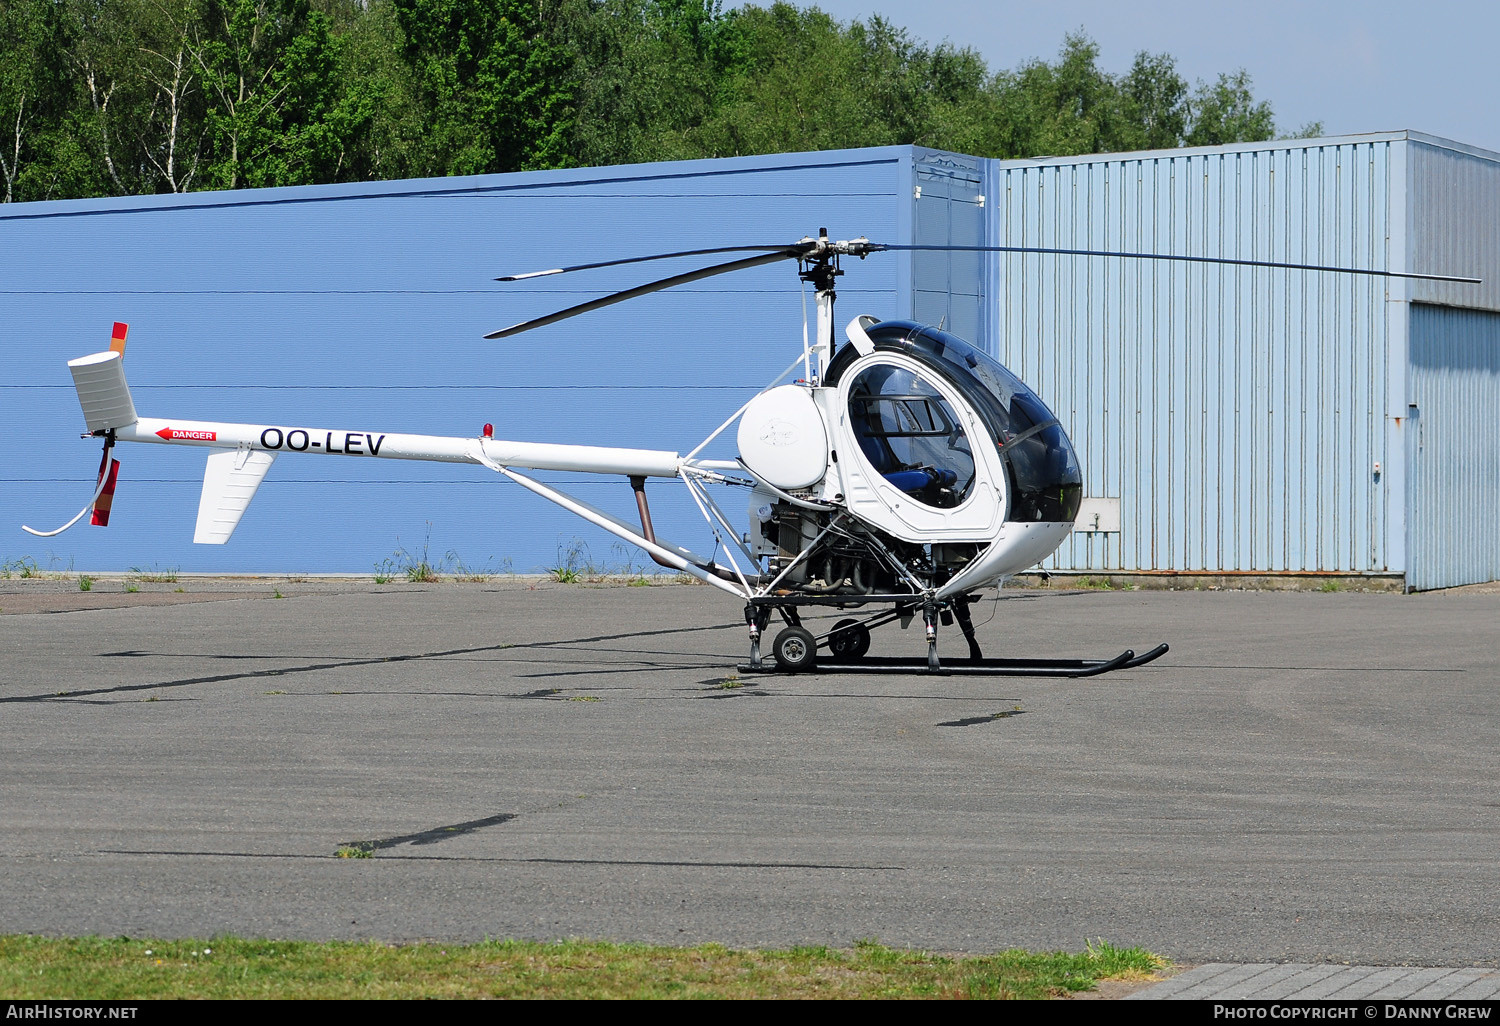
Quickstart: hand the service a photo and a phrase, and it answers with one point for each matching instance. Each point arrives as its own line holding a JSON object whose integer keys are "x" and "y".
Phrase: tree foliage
{"x": 119, "y": 97}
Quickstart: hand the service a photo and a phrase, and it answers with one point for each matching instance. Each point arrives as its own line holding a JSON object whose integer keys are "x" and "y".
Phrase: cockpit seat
{"x": 913, "y": 481}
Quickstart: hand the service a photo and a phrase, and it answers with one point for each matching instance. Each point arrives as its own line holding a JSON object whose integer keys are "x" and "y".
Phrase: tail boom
{"x": 274, "y": 438}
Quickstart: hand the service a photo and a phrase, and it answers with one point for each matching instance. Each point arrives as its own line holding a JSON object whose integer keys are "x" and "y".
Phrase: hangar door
{"x": 1453, "y": 449}
{"x": 948, "y": 210}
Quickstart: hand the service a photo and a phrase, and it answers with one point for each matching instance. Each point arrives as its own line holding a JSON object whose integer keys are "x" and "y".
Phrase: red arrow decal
{"x": 170, "y": 434}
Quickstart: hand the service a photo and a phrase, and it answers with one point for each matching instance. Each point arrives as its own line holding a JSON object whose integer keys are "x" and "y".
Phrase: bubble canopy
{"x": 1046, "y": 483}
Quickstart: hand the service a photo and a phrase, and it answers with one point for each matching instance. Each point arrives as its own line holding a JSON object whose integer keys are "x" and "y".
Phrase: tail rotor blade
{"x": 105, "y": 500}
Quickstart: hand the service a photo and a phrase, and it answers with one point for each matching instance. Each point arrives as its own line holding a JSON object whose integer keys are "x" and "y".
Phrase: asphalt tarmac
{"x": 1306, "y": 777}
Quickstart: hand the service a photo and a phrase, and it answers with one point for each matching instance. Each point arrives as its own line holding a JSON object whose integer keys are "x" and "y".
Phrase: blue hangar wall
{"x": 364, "y": 306}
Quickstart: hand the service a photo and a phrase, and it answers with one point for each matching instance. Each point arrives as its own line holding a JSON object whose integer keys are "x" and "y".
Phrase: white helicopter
{"x": 905, "y": 469}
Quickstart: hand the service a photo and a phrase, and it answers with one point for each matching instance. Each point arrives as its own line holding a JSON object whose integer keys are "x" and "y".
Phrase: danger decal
{"x": 172, "y": 434}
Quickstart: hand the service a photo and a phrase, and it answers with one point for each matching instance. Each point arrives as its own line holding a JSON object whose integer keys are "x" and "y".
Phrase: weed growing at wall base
{"x": 421, "y": 568}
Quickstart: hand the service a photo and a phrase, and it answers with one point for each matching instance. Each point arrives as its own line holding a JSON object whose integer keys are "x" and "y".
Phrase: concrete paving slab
{"x": 1268, "y": 980}
{"x": 1447, "y": 985}
{"x": 1232, "y": 979}
{"x": 1370, "y": 984}
{"x": 1410, "y": 983}
{"x": 1194, "y": 977}
{"x": 1305, "y": 977}
{"x": 1272, "y": 982}
{"x": 1485, "y": 988}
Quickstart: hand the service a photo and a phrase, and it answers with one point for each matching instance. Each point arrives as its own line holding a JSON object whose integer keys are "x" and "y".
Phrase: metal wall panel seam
{"x": 1400, "y": 229}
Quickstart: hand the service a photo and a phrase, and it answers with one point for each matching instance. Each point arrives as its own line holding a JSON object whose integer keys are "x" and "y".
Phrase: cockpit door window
{"x": 910, "y": 434}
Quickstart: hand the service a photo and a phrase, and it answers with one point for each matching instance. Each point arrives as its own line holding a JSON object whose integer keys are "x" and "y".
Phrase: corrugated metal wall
{"x": 1235, "y": 413}
{"x": 1455, "y": 203}
{"x": 1454, "y": 457}
{"x": 363, "y": 306}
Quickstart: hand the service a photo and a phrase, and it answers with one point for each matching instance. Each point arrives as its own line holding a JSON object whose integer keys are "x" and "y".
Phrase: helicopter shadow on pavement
{"x": 81, "y": 695}
{"x": 120, "y": 692}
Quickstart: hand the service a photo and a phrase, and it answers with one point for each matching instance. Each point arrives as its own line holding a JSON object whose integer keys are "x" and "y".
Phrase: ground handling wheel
{"x": 795, "y": 650}
{"x": 849, "y": 641}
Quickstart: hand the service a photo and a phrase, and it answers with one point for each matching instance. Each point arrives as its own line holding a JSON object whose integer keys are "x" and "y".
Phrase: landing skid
{"x": 973, "y": 667}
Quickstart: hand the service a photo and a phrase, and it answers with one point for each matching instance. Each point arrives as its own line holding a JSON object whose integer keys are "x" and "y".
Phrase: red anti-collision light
{"x": 489, "y": 431}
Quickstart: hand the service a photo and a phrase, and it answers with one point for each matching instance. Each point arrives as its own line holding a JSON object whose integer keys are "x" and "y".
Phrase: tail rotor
{"x": 107, "y": 405}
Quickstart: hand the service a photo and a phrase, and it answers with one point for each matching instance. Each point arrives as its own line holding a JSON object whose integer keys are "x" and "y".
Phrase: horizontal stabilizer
{"x": 102, "y": 391}
{"x": 229, "y": 483}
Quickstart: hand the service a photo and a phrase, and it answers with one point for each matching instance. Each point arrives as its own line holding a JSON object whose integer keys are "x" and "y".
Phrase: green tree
{"x": 1155, "y": 104}
{"x": 278, "y": 111}
{"x": 392, "y": 145}
{"x": 496, "y": 85}
{"x": 1227, "y": 112}
{"x": 141, "y": 96}
{"x": 645, "y": 77}
{"x": 40, "y": 154}
{"x": 138, "y": 111}
{"x": 796, "y": 79}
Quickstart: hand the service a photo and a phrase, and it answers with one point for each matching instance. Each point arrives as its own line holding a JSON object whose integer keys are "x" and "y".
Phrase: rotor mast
{"x": 821, "y": 268}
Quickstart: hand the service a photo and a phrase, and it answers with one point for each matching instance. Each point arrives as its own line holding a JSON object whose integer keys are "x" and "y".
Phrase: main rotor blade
{"x": 876, "y": 247}
{"x": 785, "y": 253}
{"x": 643, "y": 259}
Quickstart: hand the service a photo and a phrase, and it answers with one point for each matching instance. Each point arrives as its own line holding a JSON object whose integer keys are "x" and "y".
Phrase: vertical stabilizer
{"x": 229, "y": 483}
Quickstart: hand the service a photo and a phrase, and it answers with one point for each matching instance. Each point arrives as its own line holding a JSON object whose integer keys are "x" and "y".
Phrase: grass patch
{"x": 37, "y": 968}
{"x": 471, "y": 575}
{"x": 1330, "y": 586}
{"x": 25, "y": 567}
{"x": 577, "y": 565}
{"x": 154, "y": 575}
{"x": 422, "y": 573}
{"x": 85, "y": 583}
{"x": 421, "y": 567}
{"x": 1101, "y": 584}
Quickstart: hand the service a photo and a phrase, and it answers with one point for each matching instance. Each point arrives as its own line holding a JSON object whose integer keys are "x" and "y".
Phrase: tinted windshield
{"x": 1046, "y": 481}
